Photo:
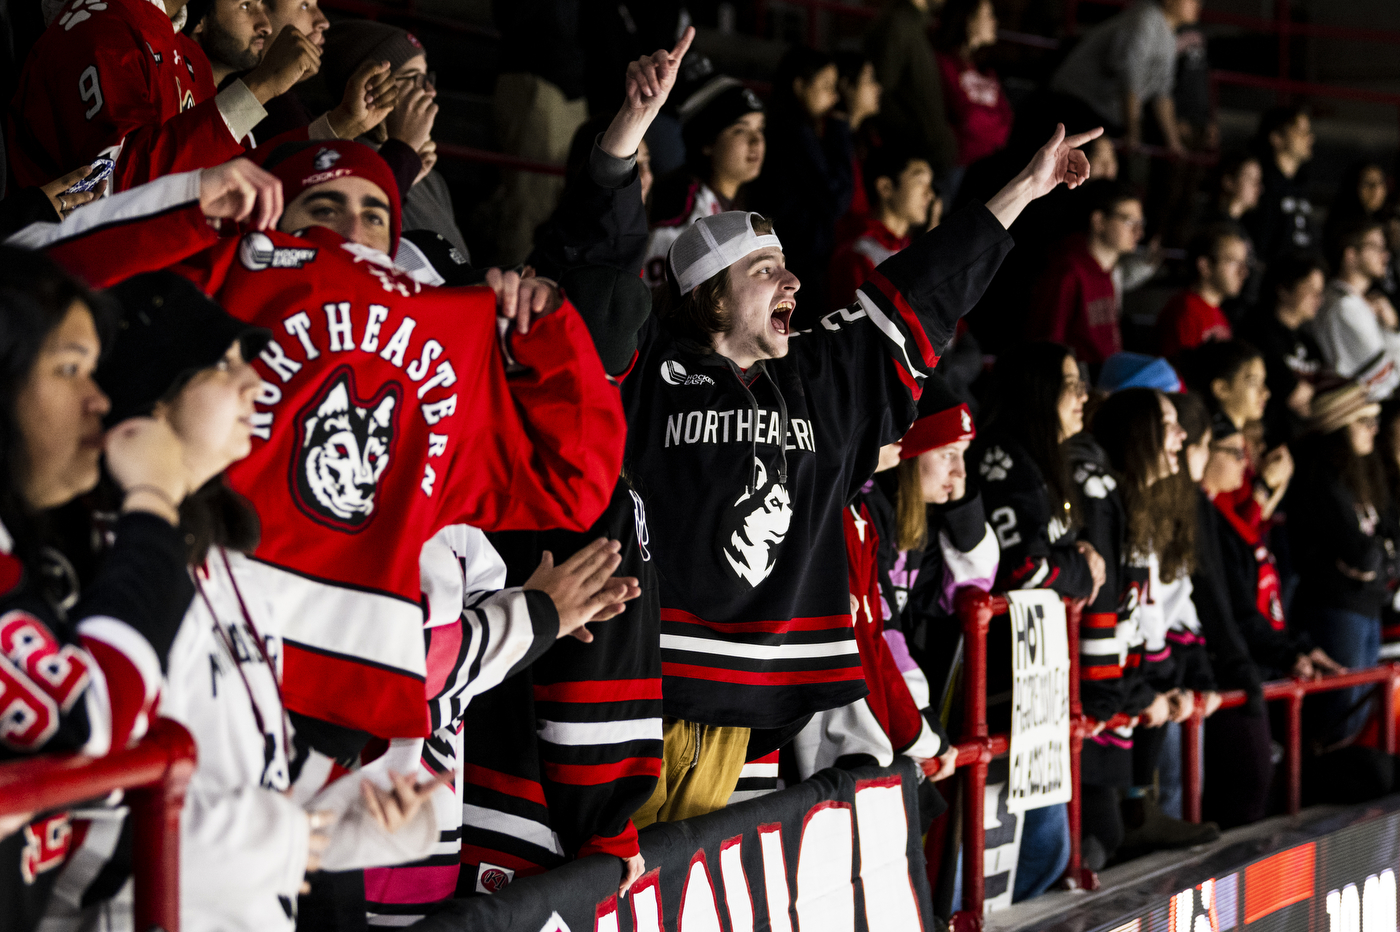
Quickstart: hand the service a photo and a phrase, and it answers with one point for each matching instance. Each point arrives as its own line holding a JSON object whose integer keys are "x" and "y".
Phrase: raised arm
{"x": 1058, "y": 161}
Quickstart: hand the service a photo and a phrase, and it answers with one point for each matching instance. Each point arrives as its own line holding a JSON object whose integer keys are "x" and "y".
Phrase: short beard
{"x": 224, "y": 49}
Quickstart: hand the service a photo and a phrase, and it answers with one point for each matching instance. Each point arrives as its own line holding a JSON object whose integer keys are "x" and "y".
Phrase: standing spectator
{"x": 806, "y": 183}
{"x": 1075, "y": 301}
{"x": 1361, "y": 195}
{"x": 1220, "y": 259}
{"x": 723, "y": 124}
{"x": 350, "y": 47}
{"x": 1293, "y": 362}
{"x": 1358, "y": 339}
{"x": 912, "y": 106}
{"x": 1124, "y": 65}
{"x": 1335, "y": 530}
{"x": 119, "y": 79}
{"x": 1174, "y": 182}
{"x": 1239, "y": 183}
{"x": 537, "y": 109}
{"x": 1283, "y": 220}
{"x": 860, "y": 100}
{"x": 976, "y": 105}
{"x": 900, "y": 186}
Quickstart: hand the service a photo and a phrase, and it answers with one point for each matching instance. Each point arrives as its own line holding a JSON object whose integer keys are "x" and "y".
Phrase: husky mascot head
{"x": 344, "y": 451}
{"x": 752, "y": 550}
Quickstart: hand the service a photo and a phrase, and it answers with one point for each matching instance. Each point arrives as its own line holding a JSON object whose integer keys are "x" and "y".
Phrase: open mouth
{"x": 781, "y": 318}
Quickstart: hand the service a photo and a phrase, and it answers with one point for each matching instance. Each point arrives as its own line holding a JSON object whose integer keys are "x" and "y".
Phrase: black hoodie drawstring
{"x": 782, "y": 436}
{"x": 714, "y": 359}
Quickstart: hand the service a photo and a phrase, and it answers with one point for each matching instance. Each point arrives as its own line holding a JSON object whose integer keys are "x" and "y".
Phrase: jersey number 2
{"x": 1004, "y": 521}
{"x": 90, "y": 90}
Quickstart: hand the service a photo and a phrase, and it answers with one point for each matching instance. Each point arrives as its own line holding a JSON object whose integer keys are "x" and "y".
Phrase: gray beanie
{"x": 351, "y": 44}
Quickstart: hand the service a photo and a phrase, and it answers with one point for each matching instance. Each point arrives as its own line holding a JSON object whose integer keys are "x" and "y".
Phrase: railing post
{"x": 155, "y": 813}
{"x": 1191, "y": 761}
{"x": 1387, "y": 719}
{"x": 1076, "y": 877}
{"x": 975, "y": 611}
{"x": 1293, "y": 752}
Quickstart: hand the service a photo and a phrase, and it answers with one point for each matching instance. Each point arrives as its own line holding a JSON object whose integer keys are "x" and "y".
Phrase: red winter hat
{"x": 302, "y": 165}
{"x": 943, "y": 419}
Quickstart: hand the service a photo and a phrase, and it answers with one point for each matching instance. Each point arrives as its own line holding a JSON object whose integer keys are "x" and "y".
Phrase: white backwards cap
{"x": 712, "y": 244}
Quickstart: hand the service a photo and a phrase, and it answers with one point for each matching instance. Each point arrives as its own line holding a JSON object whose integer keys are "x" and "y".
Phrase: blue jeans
{"x": 1169, "y": 771}
{"x": 1044, "y": 851}
{"x": 1353, "y": 640}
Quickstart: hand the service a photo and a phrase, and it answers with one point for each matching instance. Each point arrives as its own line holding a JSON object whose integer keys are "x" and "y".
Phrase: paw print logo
{"x": 1095, "y": 484}
{"x": 995, "y": 465}
{"x": 80, "y": 11}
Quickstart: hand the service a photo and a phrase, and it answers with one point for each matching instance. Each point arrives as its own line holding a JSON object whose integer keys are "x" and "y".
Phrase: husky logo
{"x": 492, "y": 879}
{"x": 752, "y": 550}
{"x": 343, "y": 451}
{"x": 325, "y": 159}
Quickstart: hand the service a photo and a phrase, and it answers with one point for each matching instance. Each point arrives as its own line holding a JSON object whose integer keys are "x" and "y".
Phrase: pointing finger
{"x": 683, "y": 45}
{"x": 1079, "y": 139}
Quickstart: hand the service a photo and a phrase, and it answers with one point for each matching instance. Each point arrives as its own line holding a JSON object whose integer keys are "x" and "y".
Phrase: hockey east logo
{"x": 256, "y": 252}
{"x": 766, "y": 514}
{"x": 343, "y": 451}
{"x": 673, "y": 373}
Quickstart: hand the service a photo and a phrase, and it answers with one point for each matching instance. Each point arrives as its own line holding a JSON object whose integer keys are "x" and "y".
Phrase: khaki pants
{"x": 533, "y": 121}
{"x": 699, "y": 772}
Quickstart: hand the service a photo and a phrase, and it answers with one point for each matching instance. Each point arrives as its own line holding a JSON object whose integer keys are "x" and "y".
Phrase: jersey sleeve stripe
{"x": 911, "y": 319}
{"x": 170, "y": 193}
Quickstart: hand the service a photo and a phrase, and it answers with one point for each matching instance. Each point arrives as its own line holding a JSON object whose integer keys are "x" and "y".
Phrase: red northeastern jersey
{"x": 386, "y": 414}
{"x": 113, "y": 76}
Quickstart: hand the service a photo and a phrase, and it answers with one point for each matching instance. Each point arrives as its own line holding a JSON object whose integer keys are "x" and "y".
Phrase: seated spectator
{"x": 114, "y": 631}
{"x": 352, "y": 46}
{"x": 1356, "y": 340}
{"x": 860, "y": 100}
{"x": 723, "y": 125}
{"x": 151, "y": 120}
{"x": 1293, "y": 362}
{"x": 1239, "y": 183}
{"x": 1075, "y": 301}
{"x": 900, "y": 186}
{"x": 912, "y": 109}
{"x": 806, "y": 183}
{"x": 1361, "y": 195}
{"x": 1283, "y": 220}
{"x": 1219, "y": 258}
{"x": 1123, "y": 65}
{"x": 974, "y": 101}
{"x": 1337, "y": 532}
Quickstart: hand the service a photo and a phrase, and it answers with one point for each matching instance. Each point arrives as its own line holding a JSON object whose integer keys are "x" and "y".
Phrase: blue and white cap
{"x": 712, "y": 244}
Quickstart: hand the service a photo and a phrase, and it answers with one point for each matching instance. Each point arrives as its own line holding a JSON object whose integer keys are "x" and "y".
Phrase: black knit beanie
{"x": 352, "y": 43}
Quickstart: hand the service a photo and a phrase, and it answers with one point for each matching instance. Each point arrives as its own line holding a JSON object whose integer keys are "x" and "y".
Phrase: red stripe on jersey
{"x": 388, "y": 703}
{"x": 598, "y": 774}
{"x": 1101, "y": 620}
{"x": 911, "y": 320}
{"x": 771, "y": 678}
{"x": 915, "y": 389}
{"x": 444, "y": 649}
{"x": 126, "y": 692}
{"x": 818, "y": 623}
{"x": 474, "y": 854}
{"x": 503, "y": 783}
{"x": 621, "y": 845}
{"x": 599, "y": 691}
{"x": 1103, "y": 673}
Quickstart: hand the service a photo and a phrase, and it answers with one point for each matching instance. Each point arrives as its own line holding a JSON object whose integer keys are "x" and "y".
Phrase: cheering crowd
{"x": 457, "y": 572}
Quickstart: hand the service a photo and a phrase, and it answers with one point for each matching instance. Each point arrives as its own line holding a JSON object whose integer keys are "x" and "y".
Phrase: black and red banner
{"x": 840, "y": 851}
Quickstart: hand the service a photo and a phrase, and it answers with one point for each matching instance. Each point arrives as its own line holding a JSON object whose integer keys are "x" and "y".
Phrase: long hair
{"x": 1161, "y": 513}
{"x": 911, "y": 513}
{"x": 951, "y": 34}
{"x": 35, "y": 297}
{"x": 1363, "y": 476}
{"x": 701, "y": 314}
{"x": 798, "y": 62}
{"x": 1025, "y": 406}
{"x": 216, "y": 515}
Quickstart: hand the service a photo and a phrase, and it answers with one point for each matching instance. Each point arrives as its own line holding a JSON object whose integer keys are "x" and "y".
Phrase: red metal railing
{"x": 976, "y": 609}
{"x": 154, "y": 775}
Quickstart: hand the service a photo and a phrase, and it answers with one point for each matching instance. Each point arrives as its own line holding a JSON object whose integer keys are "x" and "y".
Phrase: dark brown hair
{"x": 1161, "y": 514}
{"x": 1363, "y": 476}
{"x": 701, "y": 314}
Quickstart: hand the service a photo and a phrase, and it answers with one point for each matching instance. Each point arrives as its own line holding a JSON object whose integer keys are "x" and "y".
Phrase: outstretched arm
{"x": 1059, "y": 160}
{"x": 649, "y": 83}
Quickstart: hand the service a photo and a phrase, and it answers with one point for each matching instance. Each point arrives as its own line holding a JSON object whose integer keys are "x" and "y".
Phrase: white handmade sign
{"x": 1039, "y": 756}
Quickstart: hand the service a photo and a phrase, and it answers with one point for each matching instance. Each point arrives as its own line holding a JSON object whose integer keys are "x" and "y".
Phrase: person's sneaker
{"x": 1158, "y": 831}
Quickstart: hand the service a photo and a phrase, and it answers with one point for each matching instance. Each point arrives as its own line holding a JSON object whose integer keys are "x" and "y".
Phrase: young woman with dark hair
{"x": 108, "y": 638}
{"x": 1137, "y": 520}
{"x": 978, "y": 110}
{"x": 806, "y": 185}
{"x": 1293, "y": 361}
{"x": 860, "y": 101}
{"x": 1361, "y": 195}
{"x": 1339, "y": 532}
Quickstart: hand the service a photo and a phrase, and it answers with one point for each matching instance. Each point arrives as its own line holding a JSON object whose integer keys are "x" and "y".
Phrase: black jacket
{"x": 745, "y": 475}
{"x": 1037, "y": 549}
{"x": 600, "y": 220}
{"x": 1328, "y": 530}
{"x": 1217, "y": 604}
{"x": 1290, "y": 357}
{"x": 1284, "y": 219}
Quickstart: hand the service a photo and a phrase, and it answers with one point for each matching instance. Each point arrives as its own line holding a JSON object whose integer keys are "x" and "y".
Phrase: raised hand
{"x": 649, "y": 82}
{"x": 289, "y": 60}
{"x": 583, "y": 587}
{"x": 370, "y": 96}
{"x": 242, "y": 192}
{"x": 413, "y": 117}
{"x": 1060, "y": 161}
